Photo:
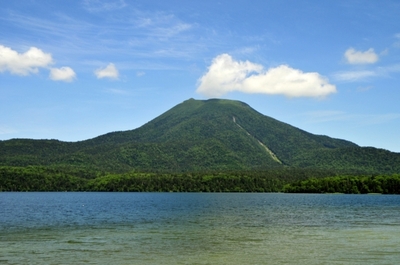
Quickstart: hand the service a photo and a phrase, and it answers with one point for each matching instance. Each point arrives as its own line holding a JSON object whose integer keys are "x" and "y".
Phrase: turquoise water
{"x": 198, "y": 228}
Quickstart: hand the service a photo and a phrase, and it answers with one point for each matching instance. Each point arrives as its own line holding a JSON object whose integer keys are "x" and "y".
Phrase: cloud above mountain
{"x": 25, "y": 63}
{"x": 226, "y": 75}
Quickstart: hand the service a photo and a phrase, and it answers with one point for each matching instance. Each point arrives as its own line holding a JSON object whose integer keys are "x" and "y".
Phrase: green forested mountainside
{"x": 200, "y": 136}
{"x": 354, "y": 159}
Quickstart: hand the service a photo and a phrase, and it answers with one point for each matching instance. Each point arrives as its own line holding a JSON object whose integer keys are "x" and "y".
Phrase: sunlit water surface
{"x": 198, "y": 228}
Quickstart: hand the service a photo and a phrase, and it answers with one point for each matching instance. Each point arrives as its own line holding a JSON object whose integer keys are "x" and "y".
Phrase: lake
{"x": 198, "y": 228}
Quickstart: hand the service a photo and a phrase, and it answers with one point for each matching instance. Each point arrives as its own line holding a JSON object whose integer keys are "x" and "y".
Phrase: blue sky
{"x": 73, "y": 70}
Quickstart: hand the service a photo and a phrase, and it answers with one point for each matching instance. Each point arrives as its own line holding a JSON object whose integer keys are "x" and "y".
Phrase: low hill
{"x": 203, "y": 135}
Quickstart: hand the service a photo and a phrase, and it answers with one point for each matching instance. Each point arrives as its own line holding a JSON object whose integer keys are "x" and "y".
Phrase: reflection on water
{"x": 196, "y": 228}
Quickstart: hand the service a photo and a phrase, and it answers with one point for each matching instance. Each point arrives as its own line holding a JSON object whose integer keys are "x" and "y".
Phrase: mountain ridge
{"x": 203, "y": 135}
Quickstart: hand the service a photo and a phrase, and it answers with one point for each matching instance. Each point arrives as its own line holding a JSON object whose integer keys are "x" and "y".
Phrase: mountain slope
{"x": 196, "y": 135}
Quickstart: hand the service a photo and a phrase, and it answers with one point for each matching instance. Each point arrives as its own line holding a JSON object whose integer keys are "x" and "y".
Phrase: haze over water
{"x": 198, "y": 228}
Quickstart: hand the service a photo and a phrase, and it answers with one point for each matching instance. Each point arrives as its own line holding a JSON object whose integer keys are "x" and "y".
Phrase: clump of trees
{"x": 38, "y": 178}
{"x": 347, "y": 184}
{"x": 185, "y": 183}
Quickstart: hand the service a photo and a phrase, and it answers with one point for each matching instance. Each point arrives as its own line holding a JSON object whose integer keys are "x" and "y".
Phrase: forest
{"x": 290, "y": 180}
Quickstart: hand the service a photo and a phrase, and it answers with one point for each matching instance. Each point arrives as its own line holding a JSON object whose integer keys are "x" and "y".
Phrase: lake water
{"x": 198, "y": 228}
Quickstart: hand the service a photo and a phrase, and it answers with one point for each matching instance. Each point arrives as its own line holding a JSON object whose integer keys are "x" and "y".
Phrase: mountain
{"x": 203, "y": 135}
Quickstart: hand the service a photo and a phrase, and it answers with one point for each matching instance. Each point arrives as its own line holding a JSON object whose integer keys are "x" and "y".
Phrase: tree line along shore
{"x": 39, "y": 178}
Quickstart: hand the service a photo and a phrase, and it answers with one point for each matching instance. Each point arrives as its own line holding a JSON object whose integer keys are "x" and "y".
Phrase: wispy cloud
{"x": 226, "y": 75}
{"x": 354, "y": 75}
{"x": 61, "y": 27}
{"x": 247, "y": 50}
{"x": 395, "y": 68}
{"x": 356, "y": 119}
{"x": 379, "y": 118}
{"x": 6, "y": 130}
{"x": 364, "y": 88}
{"x": 396, "y": 44}
{"x": 139, "y": 34}
{"x": 364, "y": 75}
{"x": 327, "y": 116}
{"x": 116, "y": 91}
{"x": 103, "y": 5}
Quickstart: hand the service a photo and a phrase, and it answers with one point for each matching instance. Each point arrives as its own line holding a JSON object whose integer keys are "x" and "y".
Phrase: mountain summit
{"x": 203, "y": 135}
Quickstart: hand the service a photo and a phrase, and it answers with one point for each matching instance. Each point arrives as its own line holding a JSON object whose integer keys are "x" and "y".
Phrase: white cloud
{"x": 23, "y": 63}
{"x": 358, "y": 57}
{"x": 65, "y": 74}
{"x": 108, "y": 72}
{"x": 226, "y": 75}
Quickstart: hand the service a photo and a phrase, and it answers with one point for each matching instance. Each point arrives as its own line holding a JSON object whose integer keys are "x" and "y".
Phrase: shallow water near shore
{"x": 198, "y": 228}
